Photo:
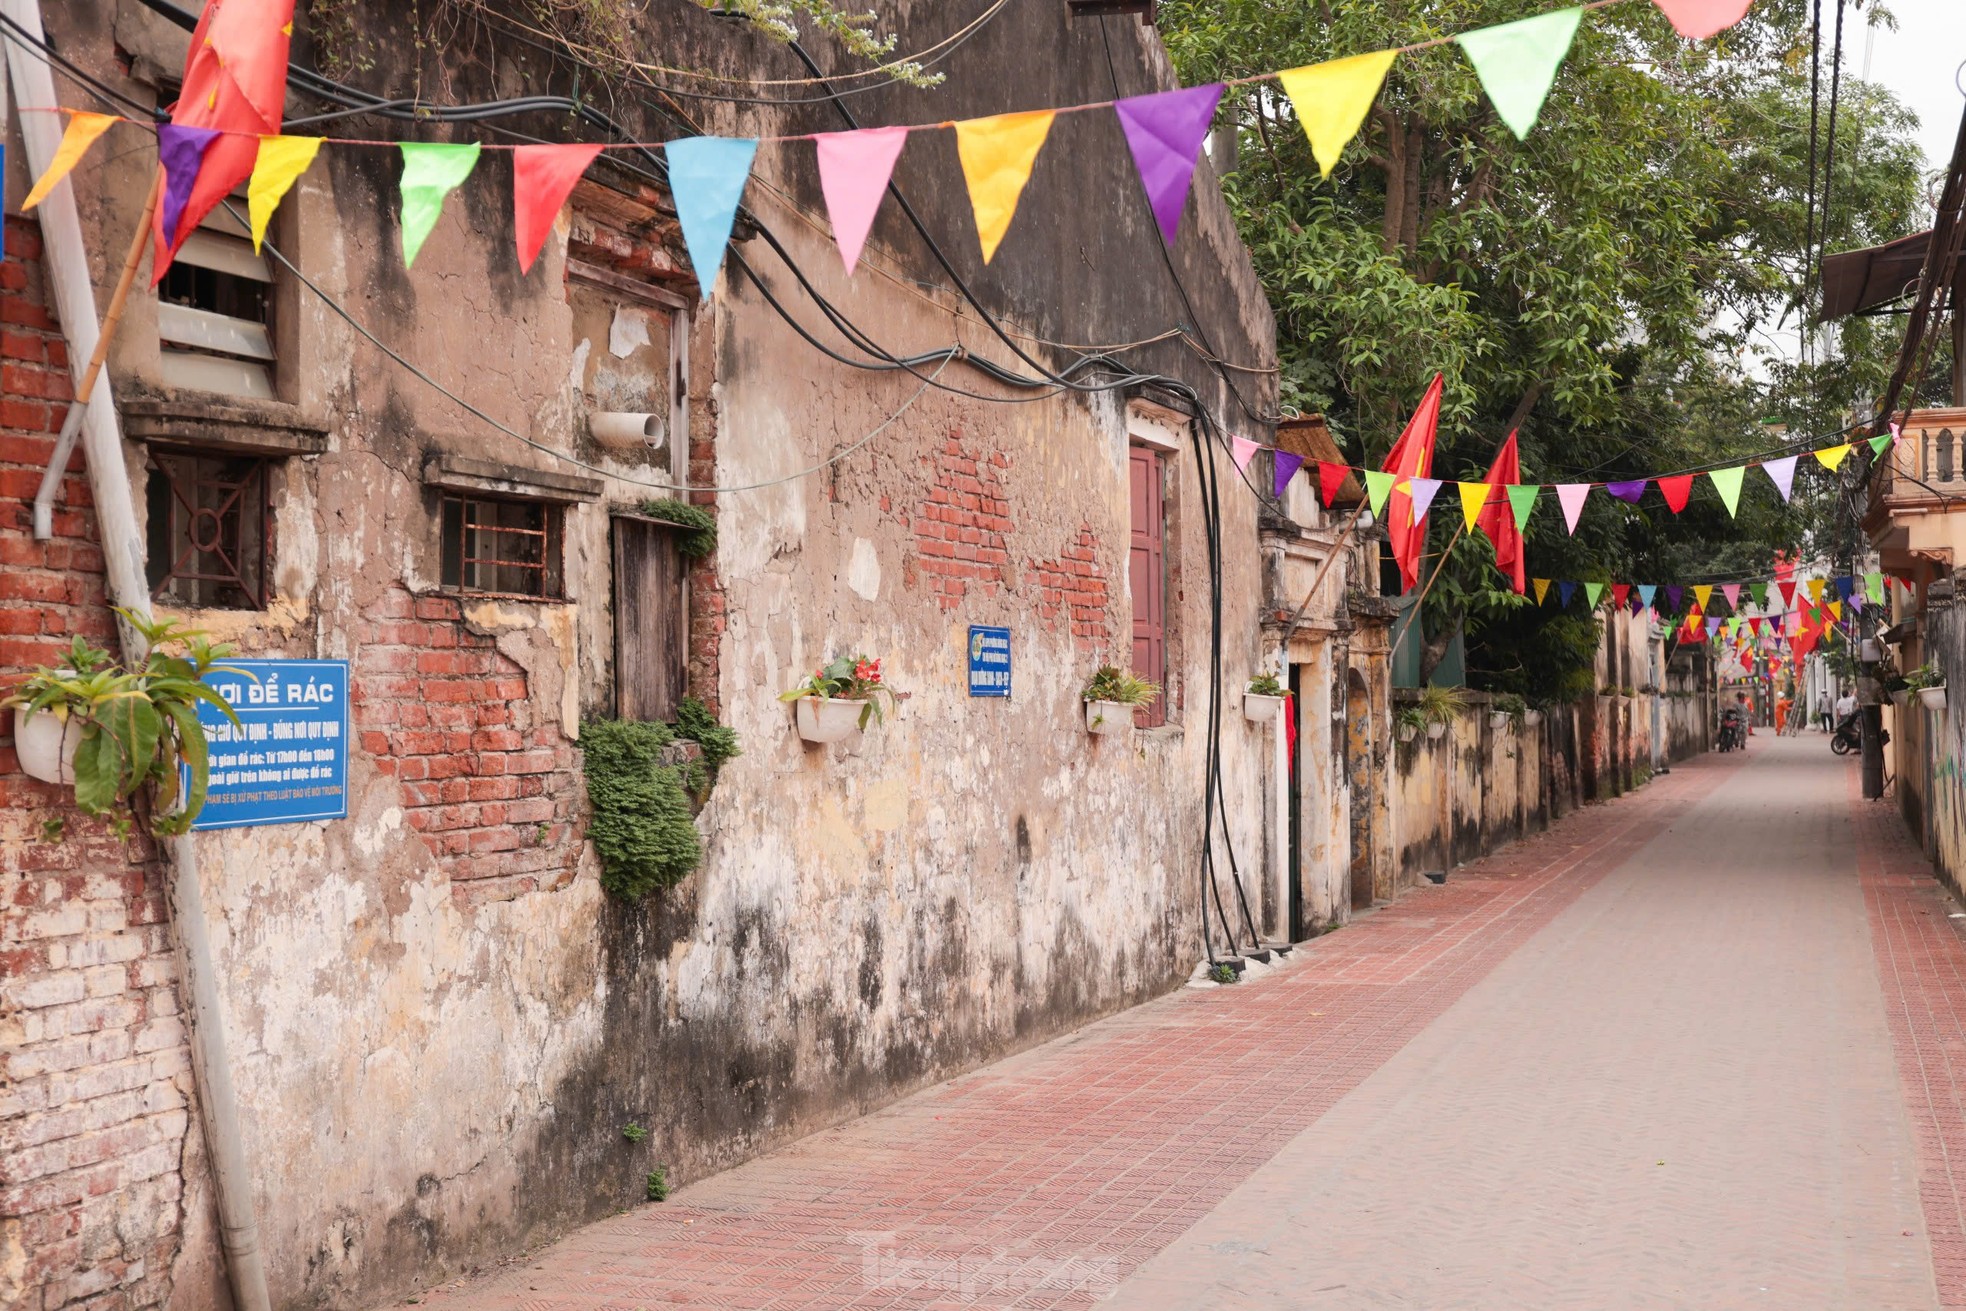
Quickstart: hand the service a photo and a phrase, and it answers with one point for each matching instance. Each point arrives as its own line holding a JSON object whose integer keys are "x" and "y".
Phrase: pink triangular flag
{"x": 1782, "y": 473}
{"x": 1571, "y": 497}
{"x": 1242, "y": 449}
{"x": 853, "y": 171}
{"x": 1732, "y": 591}
{"x": 1700, "y": 19}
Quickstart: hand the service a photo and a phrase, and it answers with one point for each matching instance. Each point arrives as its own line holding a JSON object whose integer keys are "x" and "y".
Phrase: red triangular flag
{"x": 542, "y": 179}
{"x": 1412, "y": 456}
{"x": 1497, "y": 519}
{"x": 1787, "y": 588}
{"x": 1330, "y": 477}
{"x": 1619, "y": 591}
{"x": 1699, "y": 19}
{"x": 1676, "y": 489}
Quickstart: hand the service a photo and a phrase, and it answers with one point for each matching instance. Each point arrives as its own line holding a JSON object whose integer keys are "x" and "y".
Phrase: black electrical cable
{"x": 1829, "y": 142}
{"x": 1809, "y": 224}
{"x": 47, "y": 54}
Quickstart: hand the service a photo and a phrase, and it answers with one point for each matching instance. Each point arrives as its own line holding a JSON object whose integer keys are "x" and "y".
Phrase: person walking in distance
{"x": 1823, "y": 720}
{"x": 1846, "y": 707}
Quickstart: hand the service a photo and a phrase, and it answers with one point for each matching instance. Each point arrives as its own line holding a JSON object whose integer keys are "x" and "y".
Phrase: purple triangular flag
{"x": 1628, "y": 491}
{"x": 1782, "y": 473}
{"x": 1165, "y": 131}
{"x": 1287, "y": 467}
{"x": 1673, "y": 594}
{"x": 1422, "y": 491}
{"x": 181, "y": 150}
{"x": 1713, "y": 625}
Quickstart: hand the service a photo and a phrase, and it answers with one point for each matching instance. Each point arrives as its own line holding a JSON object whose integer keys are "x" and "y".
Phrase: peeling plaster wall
{"x": 439, "y": 1022}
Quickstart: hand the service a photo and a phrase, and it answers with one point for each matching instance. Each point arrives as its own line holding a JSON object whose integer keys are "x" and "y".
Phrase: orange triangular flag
{"x": 83, "y": 129}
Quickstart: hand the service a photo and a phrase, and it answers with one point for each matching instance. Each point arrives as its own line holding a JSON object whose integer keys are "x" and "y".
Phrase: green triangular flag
{"x": 1728, "y": 482}
{"x": 1522, "y": 499}
{"x": 1879, "y": 444}
{"x": 1517, "y": 62}
{"x": 1378, "y": 486}
{"x": 1592, "y": 591}
{"x": 1759, "y": 591}
{"x": 431, "y": 171}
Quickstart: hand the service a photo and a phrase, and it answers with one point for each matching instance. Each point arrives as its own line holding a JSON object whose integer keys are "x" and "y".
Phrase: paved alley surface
{"x": 1691, "y": 1048}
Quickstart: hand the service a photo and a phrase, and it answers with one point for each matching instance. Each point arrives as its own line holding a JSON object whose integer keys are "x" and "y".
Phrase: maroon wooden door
{"x": 1146, "y": 572}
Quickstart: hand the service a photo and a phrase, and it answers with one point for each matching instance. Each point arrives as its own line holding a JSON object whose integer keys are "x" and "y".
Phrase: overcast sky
{"x": 1918, "y": 62}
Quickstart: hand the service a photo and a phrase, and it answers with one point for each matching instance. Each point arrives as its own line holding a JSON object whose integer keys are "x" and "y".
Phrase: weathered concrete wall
{"x": 441, "y": 1023}
{"x": 1928, "y": 746}
{"x": 1475, "y": 788}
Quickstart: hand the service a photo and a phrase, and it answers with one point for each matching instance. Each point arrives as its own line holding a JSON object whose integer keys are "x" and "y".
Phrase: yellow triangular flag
{"x": 1701, "y": 595}
{"x": 1332, "y": 99}
{"x": 83, "y": 129}
{"x": 1542, "y": 588}
{"x": 281, "y": 161}
{"x": 1473, "y": 497}
{"x": 1831, "y": 456}
{"x": 997, "y": 154}
{"x": 1815, "y": 589}
{"x": 1835, "y": 609}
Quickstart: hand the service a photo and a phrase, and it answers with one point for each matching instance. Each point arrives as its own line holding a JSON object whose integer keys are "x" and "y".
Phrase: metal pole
{"x": 122, "y": 546}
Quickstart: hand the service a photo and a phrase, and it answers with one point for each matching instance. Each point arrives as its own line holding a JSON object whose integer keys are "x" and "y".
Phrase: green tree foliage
{"x": 1610, "y": 285}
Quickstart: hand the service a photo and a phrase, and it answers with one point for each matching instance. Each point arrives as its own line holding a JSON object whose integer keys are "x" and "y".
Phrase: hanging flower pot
{"x": 828, "y": 719}
{"x": 45, "y": 743}
{"x": 1532, "y": 717}
{"x": 1108, "y": 716}
{"x": 1498, "y": 720}
{"x": 1260, "y": 709}
{"x": 1407, "y": 732}
{"x": 1436, "y": 730}
{"x": 1932, "y": 698}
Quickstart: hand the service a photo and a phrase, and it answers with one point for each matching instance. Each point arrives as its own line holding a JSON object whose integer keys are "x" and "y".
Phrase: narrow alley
{"x": 1689, "y": 1048}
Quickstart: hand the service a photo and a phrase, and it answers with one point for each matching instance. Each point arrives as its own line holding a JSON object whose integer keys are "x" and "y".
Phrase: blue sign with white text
{"x": 286, "y": 761}
{"x": 989, "y": 661}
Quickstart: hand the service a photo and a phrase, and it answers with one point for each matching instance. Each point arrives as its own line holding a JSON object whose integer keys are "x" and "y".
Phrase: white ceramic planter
{"x": 1498, "y": 720}
{"x": 1532, "y": 717}
{"x": 1407, "y": 732}
{"x": 828, "y": 719}
{"x": 1108, "y": 716}
{"x": 45, "y": 743}
{"x": 1260, "y": 709}
{"x": 1436, "y": 730}
{"x": 1932, "y": 698}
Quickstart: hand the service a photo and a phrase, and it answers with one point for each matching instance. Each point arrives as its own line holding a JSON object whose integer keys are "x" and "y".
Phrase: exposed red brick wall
{"x": 486, "y": 781}
{"x": 95, "y": 1088}
{"x": 1072, "y": 589}
{"x": 962, "y": 529}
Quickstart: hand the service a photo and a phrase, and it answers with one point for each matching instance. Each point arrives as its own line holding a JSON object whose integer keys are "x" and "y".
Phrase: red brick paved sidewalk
{"x": 1044, "y": 1179}
{"x": 1921, "y": 963}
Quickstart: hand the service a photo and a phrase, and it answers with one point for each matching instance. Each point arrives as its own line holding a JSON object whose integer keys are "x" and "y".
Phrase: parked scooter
{"x": 1733, "y": 730}
{"x": 1849, "y": 736}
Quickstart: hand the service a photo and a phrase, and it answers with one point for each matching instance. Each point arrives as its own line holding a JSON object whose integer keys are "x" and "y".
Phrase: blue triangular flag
{"x": 1646, "y": 591}
{"x": 1846, "y": 585}
{"x": 1564, "y": 591}
{"x": 706, "y": 178}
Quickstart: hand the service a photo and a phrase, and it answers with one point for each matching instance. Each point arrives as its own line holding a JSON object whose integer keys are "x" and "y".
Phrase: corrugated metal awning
{"x": 1858, "y": 280}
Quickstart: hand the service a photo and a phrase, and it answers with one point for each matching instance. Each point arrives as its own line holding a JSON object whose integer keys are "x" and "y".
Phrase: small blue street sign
{"x": 287, "y": 759}
{"x": 989, "y": 661}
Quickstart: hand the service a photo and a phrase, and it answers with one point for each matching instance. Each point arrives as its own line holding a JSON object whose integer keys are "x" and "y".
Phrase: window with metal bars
{"x": 210, "y": 530}
{"x": 502, "y": 548}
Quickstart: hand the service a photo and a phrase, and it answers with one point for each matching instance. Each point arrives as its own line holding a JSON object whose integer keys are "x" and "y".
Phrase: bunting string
{"x": 1516, "y": 64}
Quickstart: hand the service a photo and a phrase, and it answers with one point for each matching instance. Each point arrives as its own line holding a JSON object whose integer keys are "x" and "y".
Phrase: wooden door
{"x": 1146, "y": 572}
{"x": 651, "y": 620}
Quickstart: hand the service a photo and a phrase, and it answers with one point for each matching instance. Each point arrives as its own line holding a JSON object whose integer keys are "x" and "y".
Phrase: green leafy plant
{"x": 1265, "y": 685}
{"x": 701, "y": 539}
{"x": 1926, "y": 675}
{"x": 1223, "y": 972}
{"x": 137, "y": 725}
{"x": 1442, "y": 705}
{"x": 658, "y": 1184}
{"x": 849, "y": 678}
{"x": 1508, "y": 703}
{"x": 1110, "y": 683}
{"x": 641, "y": 824}
{"x": 1410, "y": 719}
{"x": 634, "y": 1133}
{"x": 719, "y": 741}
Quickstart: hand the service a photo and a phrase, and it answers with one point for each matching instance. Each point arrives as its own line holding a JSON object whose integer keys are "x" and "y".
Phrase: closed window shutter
{"x": 651, "y": 621}
{"x": 1146, "y": 570}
